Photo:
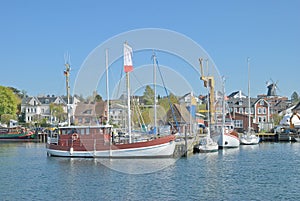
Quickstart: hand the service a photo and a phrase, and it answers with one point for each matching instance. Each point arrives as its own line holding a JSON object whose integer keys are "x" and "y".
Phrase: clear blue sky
{"x": 35, "y": 35}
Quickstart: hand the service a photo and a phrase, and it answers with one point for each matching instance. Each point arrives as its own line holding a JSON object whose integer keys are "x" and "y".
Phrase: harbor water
{"x": 268, "y": 171}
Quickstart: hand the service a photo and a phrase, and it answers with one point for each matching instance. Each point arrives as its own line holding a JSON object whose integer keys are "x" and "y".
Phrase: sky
{"x": 35, "y": 36}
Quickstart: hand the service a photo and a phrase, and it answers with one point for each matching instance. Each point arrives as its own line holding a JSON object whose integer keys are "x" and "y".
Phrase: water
{"x": 268, "y": 171}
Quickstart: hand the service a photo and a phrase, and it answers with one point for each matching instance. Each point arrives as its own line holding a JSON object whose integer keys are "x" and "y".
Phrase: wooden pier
{"x": 41, "y": 137}
{"x": 185, "y": 146}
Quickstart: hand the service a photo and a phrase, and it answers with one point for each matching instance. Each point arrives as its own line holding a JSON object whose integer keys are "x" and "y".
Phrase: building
{"x": 259, "y": 113}
{"x": 38, "y": 108}
{"x": 118, "y": 114}
{"x": 90, "y": 113}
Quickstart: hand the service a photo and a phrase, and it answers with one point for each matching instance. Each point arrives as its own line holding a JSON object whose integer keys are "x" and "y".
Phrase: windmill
{"x": 272, "y": 88}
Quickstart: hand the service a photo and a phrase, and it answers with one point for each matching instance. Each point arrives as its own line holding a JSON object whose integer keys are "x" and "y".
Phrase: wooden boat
{"x": 99, "y": 141}
{"x": 16, "y": 133}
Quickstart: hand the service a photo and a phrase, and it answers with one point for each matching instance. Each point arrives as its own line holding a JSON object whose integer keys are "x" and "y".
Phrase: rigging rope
{"x": 170, "y": 103}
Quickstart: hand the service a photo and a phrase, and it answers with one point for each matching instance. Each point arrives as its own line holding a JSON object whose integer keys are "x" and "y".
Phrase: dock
{"x": 185, "y": 146}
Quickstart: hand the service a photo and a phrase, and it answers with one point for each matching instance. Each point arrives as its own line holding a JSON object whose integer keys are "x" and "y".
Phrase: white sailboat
{"x": 249, "y": 138}
{"x": 207, "y": 144}
{"x": 229, "y": 137}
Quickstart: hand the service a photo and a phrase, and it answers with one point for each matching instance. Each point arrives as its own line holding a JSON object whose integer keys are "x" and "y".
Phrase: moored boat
{"x": 16, "y": 133}
{"x": 206, "y": 144}
{"x": 99, "y": 141}
{"x": 225, "y": 135}
{"x": 249, "y": 138}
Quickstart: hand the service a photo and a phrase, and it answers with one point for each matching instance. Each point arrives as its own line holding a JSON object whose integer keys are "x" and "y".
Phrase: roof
{"x": 237, "y": 94}
{"x": 90, "y": 109}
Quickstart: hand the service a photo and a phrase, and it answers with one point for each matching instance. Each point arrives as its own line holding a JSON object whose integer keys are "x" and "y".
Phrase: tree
{"x": 295, "y": 97}
{"x": 276, "y": 119}
{"x": 58, "y": 112}
{"x": 8, "y": 102}
{"x": 98, "y": 98}
{"x": 148, "y": 96}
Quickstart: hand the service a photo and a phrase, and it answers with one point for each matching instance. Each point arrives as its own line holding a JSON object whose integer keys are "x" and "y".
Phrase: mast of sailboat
{"x": 128, "y": 68}
{"x": 107, "y": 88}
{"x": 154, "y": 88}
{"x": 67, "y": 74}
{"x": 223, "y": 109}
{"x": 249, "y": 108}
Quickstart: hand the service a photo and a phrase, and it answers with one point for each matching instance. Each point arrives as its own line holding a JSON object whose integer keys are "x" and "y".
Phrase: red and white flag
{"x": 128, "y": 67}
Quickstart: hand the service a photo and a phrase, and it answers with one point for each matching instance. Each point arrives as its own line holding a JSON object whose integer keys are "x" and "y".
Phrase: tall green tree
{"x": 295, "y": 97}
{"x": 148, "y": 96}
{"x": 58, "y": 112}
{"x": 8, "y": 102}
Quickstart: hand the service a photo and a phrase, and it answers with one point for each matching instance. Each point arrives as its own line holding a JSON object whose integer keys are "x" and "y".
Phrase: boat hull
{"x": 207, "y": 145}
{"x": 227, "y": 141}
{"x": 17, "y": 137}
{"x": 149, "y": 149}
{"x": 208, "y": 148}
{"x": 249, "y": 140}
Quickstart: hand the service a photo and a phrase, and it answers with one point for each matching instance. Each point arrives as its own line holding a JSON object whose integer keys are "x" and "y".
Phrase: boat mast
{"x": 249, "y": 108}
{"x": 154, "y": 88}
{"x": 107, "y": 87}
{"x": 223, "y": 110}
{"x": 128, "y": 61}
{"x": 67, "y": 74}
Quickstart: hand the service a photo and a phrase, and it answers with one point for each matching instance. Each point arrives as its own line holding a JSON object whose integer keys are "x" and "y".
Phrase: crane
{"x": 209, "y": 82}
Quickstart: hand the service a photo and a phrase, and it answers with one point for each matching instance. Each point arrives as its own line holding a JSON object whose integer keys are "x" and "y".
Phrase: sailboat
{"x": 99, "y": 140}
{"x": 222, "y": 131}
{"x": 228, "y": 137}
{"x": 207, "y": 144}
{"x": 249, "y": 138}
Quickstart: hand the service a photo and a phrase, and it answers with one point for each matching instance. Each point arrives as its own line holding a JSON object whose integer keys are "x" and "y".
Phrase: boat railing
{"x": 52, "y": 138}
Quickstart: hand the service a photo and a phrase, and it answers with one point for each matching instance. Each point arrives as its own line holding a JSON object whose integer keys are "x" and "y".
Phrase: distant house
{"x": 237, "y": 94}
{"x": 189, "y": 98}
{"x": 90, "y": 113}
{"x": 181, "y": 118}
{"x": 118, "y": 114}
{"x": 259, "y": 113}
{"x": 37, "y": 108}
{"x": 241, "y": 122}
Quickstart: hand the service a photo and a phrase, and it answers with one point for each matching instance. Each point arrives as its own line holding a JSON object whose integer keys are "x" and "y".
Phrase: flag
{"x": 128, "y": 67}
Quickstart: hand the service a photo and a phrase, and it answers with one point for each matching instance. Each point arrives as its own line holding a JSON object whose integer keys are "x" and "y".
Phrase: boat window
{"x": 72, "y": 130}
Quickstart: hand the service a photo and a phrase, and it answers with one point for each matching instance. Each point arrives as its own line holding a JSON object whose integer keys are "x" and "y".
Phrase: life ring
{"x": 74, "y": 136}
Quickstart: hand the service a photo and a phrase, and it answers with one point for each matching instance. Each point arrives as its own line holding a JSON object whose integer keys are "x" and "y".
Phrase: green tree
{"x": 8, "y": 102}
{"x": 5, "y": 118}
{"x": 295, "y": 97}
{"x": 98, "y": 98}
{"x": 58, "y": 112}
{"x": 276, "y": 119}
{"x": 148, "y": 96}
{"x": 165, "y": 101}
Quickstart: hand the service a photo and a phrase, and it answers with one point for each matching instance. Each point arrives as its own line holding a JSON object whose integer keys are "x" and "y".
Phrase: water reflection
{"x": 137, "y": 166}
